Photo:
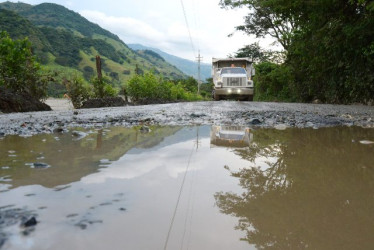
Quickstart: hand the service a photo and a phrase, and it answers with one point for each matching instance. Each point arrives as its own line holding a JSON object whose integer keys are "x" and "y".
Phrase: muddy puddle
{"x": 219, "y": 187}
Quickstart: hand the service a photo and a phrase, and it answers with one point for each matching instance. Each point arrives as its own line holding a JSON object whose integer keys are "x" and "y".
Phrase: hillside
{"x": 186, "y": 66}
{"x": 65, "y": 41}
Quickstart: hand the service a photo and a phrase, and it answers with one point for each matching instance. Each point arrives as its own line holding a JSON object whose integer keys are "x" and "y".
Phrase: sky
{"x": 162, "y": 24}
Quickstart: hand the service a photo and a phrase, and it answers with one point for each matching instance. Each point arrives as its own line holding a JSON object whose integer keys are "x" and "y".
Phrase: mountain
{"x": 65, "y": 41}
{"x": 186, "y": 66}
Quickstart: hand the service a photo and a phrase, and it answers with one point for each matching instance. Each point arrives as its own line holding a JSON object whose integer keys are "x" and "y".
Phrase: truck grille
{"x": 234, "y": 81}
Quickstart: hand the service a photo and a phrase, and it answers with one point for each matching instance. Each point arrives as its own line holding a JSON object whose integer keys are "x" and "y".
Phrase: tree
{"x": 333, "y": 52}
{"x": 329, "y": 44}
{"x": 19, "y": 70}
{"x": 266, "y": 17}
{"x": 258, "y": 54}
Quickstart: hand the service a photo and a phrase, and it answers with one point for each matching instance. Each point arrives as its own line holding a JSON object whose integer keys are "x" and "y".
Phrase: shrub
{"x": 19, "y": 70}
{"x": 101, "y": 88}
{"x": 77, "y": 90}
{"x": 150, "y": 87}
{"x": 273, "y": 82}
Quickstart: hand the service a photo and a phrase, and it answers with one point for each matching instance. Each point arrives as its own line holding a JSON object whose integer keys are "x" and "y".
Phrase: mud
{"x": 253, "y": 114}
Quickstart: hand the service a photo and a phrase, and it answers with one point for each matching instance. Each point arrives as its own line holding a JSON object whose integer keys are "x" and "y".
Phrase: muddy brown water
{"x": 203, "y": 187}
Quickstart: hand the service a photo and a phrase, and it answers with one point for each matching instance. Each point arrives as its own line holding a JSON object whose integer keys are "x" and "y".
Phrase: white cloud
{"x": 161, "y": 24}
{"x": 126, "y": 28}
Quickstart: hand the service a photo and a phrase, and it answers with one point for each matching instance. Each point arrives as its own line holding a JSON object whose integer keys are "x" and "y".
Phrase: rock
{"x": 30, "y": 222}
{"x": 40, "y": 165}
{"x": 79, "y": 134}
{"x": 255, "y": 121}
{"x": 145, "y": 129}
{"x": 196, "y": 115}
{"x": 309, "y": 124}
{"x": 58, "y": 130}
{"x": 317, "y": 101}
{"x": 280, "y": 127}
{"x": 19, "y": 102}
{"x": 104, "y": 102}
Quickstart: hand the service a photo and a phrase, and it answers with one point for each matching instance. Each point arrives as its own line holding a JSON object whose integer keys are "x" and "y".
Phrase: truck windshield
{"x": 233, "y": 71}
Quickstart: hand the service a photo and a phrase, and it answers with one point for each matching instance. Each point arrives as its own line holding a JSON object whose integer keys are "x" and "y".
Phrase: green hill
{"x": 186, "y": 66}
{"x": 65, "y": 41}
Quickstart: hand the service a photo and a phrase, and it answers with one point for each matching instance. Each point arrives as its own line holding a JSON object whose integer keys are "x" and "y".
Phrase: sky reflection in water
{"x": 118, "y": 188}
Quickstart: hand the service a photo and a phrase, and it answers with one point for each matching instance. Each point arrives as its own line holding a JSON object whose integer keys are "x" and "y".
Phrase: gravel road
{"x": 252, "y": 114}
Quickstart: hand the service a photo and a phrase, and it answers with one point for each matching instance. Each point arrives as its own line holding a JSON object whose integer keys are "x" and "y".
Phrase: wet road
{"x": 195, "y": 187}
{"x": 254, "y": 114}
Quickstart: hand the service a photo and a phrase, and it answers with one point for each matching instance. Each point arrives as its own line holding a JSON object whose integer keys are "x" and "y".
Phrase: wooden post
{"x": 98, "y": 67}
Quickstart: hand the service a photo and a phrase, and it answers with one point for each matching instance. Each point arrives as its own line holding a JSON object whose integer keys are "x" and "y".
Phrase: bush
{"x": 19, "y": 70}
{"x": 77, "y": 90}
{"x": 149, "y": 87}
{"x": 273, "y": 82}
{"x": 101, "y": 88}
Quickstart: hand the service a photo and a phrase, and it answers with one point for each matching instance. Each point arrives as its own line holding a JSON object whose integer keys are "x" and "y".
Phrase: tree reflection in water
{"x": 315, "y": 190}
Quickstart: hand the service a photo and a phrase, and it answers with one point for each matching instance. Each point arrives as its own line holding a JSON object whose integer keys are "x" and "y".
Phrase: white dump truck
{"x": 232, "y": 78}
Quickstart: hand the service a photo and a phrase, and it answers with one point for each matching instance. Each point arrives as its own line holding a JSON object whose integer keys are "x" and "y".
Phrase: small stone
{"x": 255, "y": 121}
{"x": 40, "y": 165}
{"x": 280, "y": 127}
{"x": 30, "y": 222}
{"x": 58, "y": 130}
{"x": 195, "y": 115}
{"x": 79, "y": 135}
{"x": 145, "y": 129}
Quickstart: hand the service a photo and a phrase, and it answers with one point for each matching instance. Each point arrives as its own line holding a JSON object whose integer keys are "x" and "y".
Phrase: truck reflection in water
{"x": 230, "y": 136}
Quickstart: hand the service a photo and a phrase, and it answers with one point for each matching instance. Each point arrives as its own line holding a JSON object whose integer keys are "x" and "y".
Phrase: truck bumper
{"x": 233, "y": 91}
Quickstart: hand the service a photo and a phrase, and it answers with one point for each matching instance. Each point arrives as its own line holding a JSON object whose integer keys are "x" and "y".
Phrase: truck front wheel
{"x": 250, "y": 98}
{"x": 216, "y": 97}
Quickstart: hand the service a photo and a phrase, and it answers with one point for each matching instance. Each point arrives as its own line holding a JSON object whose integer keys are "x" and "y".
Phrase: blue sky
{"x": 161, "y": 24}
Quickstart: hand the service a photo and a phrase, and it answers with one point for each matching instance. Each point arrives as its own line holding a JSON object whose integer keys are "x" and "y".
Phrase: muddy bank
{"x": 11, "y": 101}
{"x": 253, "y": 114}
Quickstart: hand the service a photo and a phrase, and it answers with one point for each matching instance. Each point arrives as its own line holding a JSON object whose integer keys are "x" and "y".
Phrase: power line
{"x": 178, "y": 199}
{"x": 188, "y": 27}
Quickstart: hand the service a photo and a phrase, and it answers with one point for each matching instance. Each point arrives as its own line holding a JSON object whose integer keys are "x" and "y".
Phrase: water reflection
{"x": 57, "y": 159}
{"x": 305, "y": 189}
{"x": 230, "y": 136}
{"x": 122, "y": 188}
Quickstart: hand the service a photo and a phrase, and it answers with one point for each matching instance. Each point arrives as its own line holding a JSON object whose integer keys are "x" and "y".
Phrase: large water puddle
{"x": 188, "y": 188}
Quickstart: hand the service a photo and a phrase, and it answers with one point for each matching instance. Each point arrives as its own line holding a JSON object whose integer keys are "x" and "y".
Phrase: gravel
{"x": 252, "y": 114}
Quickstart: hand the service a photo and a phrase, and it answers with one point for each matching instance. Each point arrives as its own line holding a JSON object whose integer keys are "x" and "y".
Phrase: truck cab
{"x": 232, "y": 78}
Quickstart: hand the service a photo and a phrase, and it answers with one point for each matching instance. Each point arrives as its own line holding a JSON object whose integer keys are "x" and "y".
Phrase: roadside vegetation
{"x": 19, "y": 71}
{"x": 327, "y": 48}
{"x": 149, "y": 87}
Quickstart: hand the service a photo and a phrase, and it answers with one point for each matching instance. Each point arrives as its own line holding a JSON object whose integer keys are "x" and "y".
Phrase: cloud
{"x": 128, "y": 29}
{"x": 169, "y": 32}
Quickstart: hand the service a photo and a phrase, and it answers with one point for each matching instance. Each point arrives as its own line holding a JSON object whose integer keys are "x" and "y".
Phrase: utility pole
{"x": 199, "y": 59}
{"x": 98, "y": 67}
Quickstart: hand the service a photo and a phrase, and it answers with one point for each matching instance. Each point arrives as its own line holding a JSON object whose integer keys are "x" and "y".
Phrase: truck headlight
{"x": 239, "y": 91}
{"x": 229, "y": 91}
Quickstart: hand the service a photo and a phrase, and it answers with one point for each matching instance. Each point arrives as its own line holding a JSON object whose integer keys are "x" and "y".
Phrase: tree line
{"x": 328, "y": 49}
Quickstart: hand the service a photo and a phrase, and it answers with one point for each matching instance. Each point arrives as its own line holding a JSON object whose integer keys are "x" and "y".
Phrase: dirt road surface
{"x": 252, "y": 114}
